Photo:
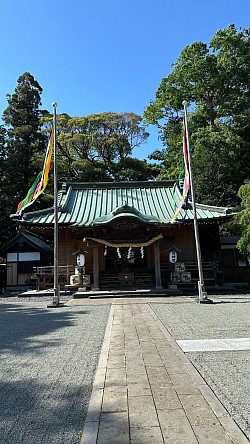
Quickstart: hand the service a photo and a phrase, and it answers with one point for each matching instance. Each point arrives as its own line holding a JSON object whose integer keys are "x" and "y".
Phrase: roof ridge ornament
{"x": 125, "y": 211}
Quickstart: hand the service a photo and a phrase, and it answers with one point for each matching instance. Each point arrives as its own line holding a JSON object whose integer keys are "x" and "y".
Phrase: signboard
{"x": 173, "y": 257}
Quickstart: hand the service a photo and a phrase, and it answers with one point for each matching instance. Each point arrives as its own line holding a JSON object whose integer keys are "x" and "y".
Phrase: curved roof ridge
{"x": 123, "y": 211}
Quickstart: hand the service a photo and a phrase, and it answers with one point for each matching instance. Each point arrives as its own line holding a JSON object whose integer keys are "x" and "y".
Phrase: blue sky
{"x": 104, "y": 55}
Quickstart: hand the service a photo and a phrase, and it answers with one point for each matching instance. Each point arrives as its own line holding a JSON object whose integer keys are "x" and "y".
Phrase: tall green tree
{"x": 21, "y": 141}
{"x": 22, "y": 119}
{"x": 6, "y": 226}
{"x": 215, "y": 81}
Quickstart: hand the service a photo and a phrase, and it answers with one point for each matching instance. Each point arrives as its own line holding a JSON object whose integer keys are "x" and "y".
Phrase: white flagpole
{"x": 201, "y": 286}
{"x": 56, "y": 297}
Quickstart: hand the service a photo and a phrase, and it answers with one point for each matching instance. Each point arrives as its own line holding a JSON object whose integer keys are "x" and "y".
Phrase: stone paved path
{"x": 147, "y": 391}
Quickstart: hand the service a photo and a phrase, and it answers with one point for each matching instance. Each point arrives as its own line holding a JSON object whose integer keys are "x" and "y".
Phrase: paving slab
{"x": 188, "y": 345}
{"x": 146, "y": 435}
{"x": 151, "y": 391}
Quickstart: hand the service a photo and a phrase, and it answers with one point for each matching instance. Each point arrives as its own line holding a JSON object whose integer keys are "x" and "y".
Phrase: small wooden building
{"x": 234, "y": 264}
{"x": 22, "y": 253}
{"x": 126, "y": 231}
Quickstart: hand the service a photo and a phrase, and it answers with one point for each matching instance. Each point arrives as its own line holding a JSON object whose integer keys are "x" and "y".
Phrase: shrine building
{"x": 126, "y": 232}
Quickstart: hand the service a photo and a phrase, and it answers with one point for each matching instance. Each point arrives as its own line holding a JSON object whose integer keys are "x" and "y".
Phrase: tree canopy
{"x": 215, "y": 81}
{"x": 98, "y": 147}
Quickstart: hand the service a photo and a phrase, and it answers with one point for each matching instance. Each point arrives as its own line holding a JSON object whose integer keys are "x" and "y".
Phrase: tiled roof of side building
{"x": 87, "y": 204}
{"x": 30, "y": 239}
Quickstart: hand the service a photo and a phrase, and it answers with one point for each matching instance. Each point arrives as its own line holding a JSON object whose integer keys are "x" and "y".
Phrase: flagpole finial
{"x": 184, "y": 103}
{"x": 54, "y": 104}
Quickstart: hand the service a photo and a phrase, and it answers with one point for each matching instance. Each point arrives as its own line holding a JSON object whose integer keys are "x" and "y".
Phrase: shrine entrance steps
{"x": 122, "y": 293}
{"x": 126, "y": 279}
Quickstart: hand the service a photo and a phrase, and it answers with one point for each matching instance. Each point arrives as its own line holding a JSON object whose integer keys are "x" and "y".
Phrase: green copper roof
{"x": 92, "y": 204}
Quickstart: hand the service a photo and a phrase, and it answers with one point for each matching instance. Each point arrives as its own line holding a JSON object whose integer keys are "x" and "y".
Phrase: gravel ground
{"x": 226, "y": 372}
{"x": 48, "y": 361}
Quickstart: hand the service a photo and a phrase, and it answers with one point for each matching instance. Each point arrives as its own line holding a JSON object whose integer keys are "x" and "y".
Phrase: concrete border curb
{"x": 91, "y": 425}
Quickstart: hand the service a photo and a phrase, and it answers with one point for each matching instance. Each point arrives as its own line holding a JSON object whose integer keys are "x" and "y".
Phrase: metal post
{"x": 56, "y": 297}
{"x": 201, "y": 286}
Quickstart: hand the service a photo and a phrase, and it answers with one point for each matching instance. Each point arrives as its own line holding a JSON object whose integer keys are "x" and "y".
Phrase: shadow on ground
{"x": 47, "y": 367}
{"x": 20, "y": 325}
{"x": 38, "y": 413}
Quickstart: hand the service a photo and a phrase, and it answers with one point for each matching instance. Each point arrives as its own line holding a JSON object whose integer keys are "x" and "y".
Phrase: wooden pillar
{"x": 158, "y": 285}
{"x": 95, "y": 285}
